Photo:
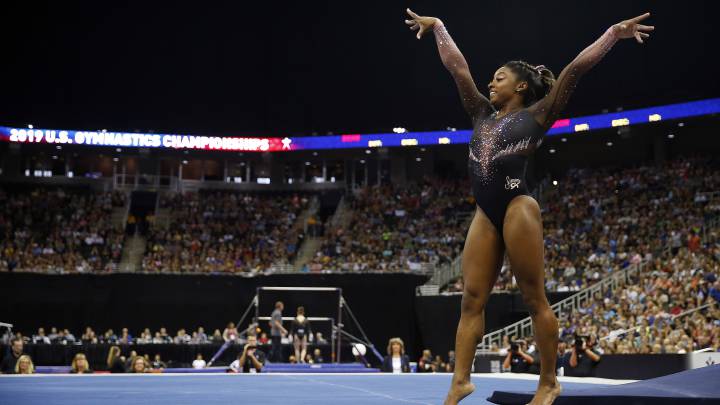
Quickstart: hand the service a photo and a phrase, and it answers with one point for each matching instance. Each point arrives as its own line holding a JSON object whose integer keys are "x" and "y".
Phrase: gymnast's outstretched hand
{"x": 632, "y": 29}
{"x": 421, "y": 24}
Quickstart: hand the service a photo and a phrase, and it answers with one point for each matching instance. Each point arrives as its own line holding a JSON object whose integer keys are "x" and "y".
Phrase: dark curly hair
{"x": 539, "y": 79}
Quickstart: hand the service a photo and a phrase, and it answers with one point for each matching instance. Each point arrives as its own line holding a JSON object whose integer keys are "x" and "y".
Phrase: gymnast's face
{"x": 504, "y": 86}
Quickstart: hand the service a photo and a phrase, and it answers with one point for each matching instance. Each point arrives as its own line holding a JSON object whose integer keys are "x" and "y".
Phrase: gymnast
{"x": 524, "y": 102}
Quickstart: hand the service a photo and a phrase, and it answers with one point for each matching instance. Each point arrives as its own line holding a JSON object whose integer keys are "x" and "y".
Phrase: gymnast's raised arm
{"x": 547, "y": 110}
{"x": 475, "y": 104}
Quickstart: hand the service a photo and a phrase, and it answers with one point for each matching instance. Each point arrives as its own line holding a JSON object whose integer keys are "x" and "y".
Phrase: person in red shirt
{"x": 693, "y": 242}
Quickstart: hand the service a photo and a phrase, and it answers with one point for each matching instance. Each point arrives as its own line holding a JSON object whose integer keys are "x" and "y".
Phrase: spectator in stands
{"x": 40, "y": 337}
{"x": 130, "y": 359}
{"x": 426, "y": 364}
{"x": 80, "y": 365}
{"x": 263, "y": 339}
{"x": 71, "y": 232}
{"x": 224, "y": 232}
{"x": 139, "y": 365}
{"x": 251, "y": 360}
{"x": 182, "y": 337}
{"x": 158, "y": 339}
{"x": 10, "y": 360}
{"x": 53, "y": 334}
{"x": 125, "y": 338}
{"x": 319, "y": 339}
{"x": 217, "y": 337}
{"x": 164, "y": 335}
{"x": 69, "y": 337}
{"x": 198, "y": 363}
{"x": 277, "y": 332}
{"x": 115, "y": 363}
{"x": 158, "y": 364}
{"x": 230, "y": 333}
{"x": 582, "y": 359}
{"x": 60, "y": 338}
{"x": 24, "y": 365}
{"x": 89, "y": 337}
{"x": 450, "y": 367}
{"x": 396, "y": 360}
{"x": 517, "y": 360}
{"x": 109, "y": 337}
{"x": 201, "y": 337}
{"x": 145, "y": 337}
{"x": 300, "y": 329}
{"x": 318, "y": 357}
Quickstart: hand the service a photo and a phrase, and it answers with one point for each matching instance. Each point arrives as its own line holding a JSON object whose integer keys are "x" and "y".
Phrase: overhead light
{"x": 315, "y": 153}
{"x": 58, "y": 147}
{"x": 307, "y": 163}
{"x": 184, "y": 162}
{"x": 609, "y": 143}
{"x": 671, "y": 136}
{"x": 681, "y": 124}
{"x": 399, "y": 130}
{"x": 422, "y": 149}
{"x": 362, "y": 161}
{"x": 368, "y": 151}
{"x": 115, "y": 159}
{"x": 30, "y": 126}
{"x": 564, "y": 139}
{"x": 118, "y": 150}
{"x": 555, "y": 183}
{"x": 418, "y": 159}
{"x": 552, "y": 150}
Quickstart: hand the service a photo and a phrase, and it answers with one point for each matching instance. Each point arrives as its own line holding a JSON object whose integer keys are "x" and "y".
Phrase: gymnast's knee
{"x": 473, "y": 301}
{"x": 536, "y": 303}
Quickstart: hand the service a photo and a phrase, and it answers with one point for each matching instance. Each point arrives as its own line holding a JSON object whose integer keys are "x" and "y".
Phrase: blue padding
{"x": 355, "y": 366}
{"x": 194, "y": 370}
{"x": 52, "y": 369}
{"x": 699, "y": 386}
{"x": 319, "y": 370}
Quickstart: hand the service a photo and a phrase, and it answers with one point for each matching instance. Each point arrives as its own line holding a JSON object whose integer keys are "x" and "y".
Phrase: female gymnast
{"x": 300, "y": 329}
{"x": 508, "y": 127}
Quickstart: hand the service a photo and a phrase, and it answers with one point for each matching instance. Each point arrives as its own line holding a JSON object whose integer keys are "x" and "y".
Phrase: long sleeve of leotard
{"x": 546, "y": 110}
{"x": 475, "y": 104}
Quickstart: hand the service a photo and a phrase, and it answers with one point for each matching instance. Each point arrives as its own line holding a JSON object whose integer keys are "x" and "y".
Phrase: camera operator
{"x": 251, "y": 360}
{"x": 517, "y": 360}
{"x": 583, "y": 358}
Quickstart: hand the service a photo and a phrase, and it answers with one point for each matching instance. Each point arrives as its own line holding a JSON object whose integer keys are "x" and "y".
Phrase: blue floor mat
{"x": 260, "y": 389}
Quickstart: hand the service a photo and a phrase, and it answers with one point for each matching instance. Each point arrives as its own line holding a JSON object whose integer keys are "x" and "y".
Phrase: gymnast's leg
{"x": 482, "y": 259}
{"x": 524, "y": 242}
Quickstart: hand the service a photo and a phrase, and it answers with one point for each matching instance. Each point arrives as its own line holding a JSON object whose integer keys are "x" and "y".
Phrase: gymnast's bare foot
{"x": 458, "y": 391}
{"x": 546, "y": 393}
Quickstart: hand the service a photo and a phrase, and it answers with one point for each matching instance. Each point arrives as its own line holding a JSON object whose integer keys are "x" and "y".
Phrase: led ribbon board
{"x": 279, "y": 144}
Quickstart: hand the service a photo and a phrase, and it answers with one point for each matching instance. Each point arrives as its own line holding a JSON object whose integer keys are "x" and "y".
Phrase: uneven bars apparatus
{"x": 333, "y": 341}
{"x": 337, "y": 329}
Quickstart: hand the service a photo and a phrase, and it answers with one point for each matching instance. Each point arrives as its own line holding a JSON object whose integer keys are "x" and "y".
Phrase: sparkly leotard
{"x": 499, "y": 150}
{"x": 500, "y": 146}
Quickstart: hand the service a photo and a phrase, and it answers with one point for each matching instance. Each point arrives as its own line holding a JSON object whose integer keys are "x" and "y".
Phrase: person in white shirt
{"x": 199, "y": 362}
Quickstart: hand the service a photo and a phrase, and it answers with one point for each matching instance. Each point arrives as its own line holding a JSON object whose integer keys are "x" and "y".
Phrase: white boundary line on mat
{"x": 502, "y": 376}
